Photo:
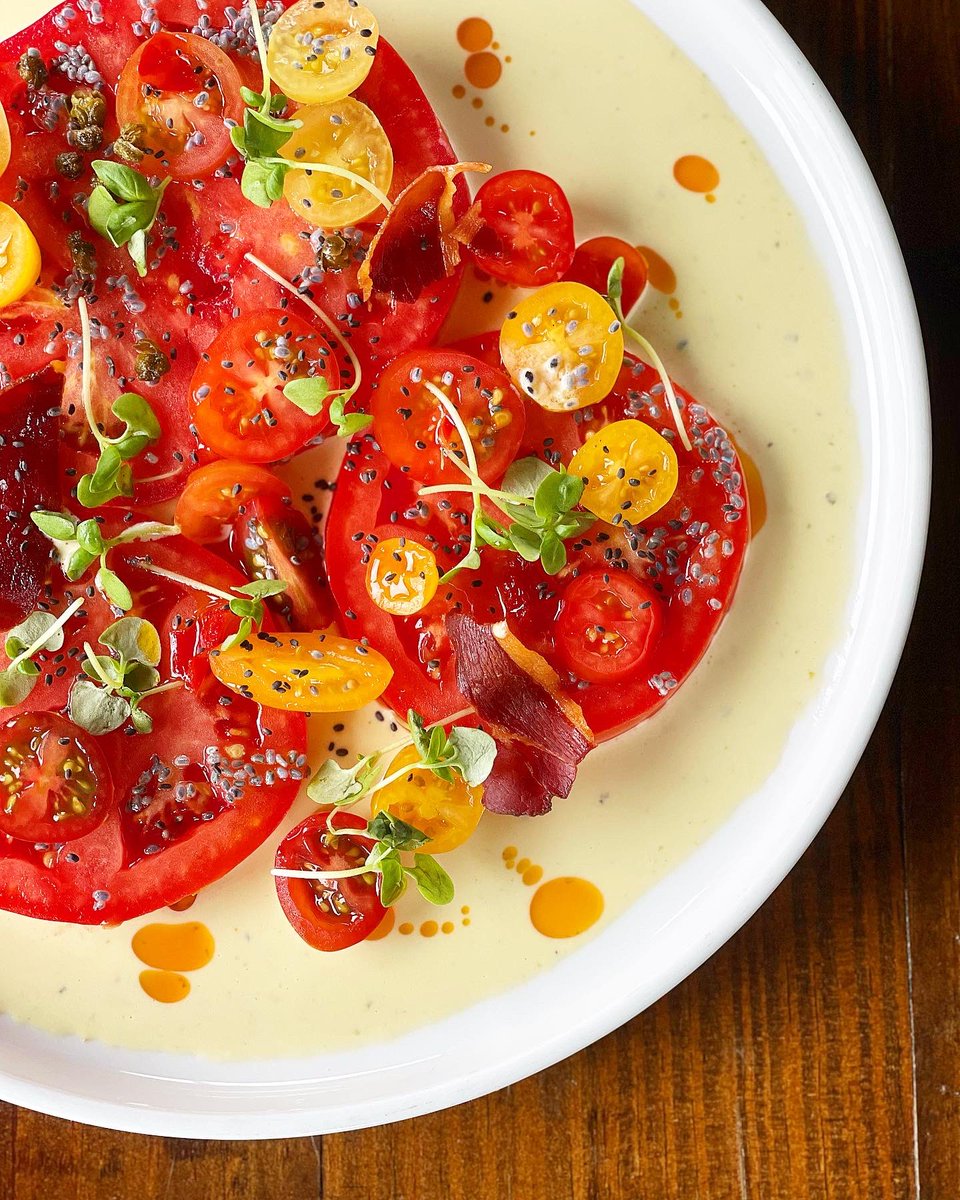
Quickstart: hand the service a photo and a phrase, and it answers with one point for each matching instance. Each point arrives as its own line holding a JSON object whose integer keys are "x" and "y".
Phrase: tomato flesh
{"x": 609, "y": 623}
{"x": 329, "y": 914}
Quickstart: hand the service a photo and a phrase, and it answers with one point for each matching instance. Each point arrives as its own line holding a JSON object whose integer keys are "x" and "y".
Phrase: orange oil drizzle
{"x": 697, "y": 174}
{"x": 168, "y": 987}
{"x": 566, "y": 907}
{"x": 756, "y": 493}
{"x": 474, "y": 34}
{"x": 184, "y": 947}
{"x": 660, "y": 274}
{"x": 483, "y": 70}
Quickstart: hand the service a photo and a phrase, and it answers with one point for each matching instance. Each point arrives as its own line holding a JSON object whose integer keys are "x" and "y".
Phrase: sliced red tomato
{"x": 689, "y": 556}
{"x": 191, "y": 799}
{"x": 55, "y": 785}
{"x": 593, "y": 260}
{"x": 29, "y": 427}
{"x": 215, "y": 495}
{"x": 609, "y": 624}
{"x": 237, "y": 391}
{"x": 520, "y": 229}
{"x": 329, "y": 914}
{"x": 415, "y": 432}
{"x": 182, "y": 90}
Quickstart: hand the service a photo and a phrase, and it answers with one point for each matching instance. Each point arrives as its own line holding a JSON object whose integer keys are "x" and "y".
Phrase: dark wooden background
{"x": 818, "y": 1054}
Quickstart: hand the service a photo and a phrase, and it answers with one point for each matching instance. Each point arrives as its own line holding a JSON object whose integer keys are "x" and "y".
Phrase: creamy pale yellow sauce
{"x": 606, "y": 104}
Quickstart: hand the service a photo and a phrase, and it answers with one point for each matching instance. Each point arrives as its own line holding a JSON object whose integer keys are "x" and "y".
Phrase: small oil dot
{"x": 477, "y": 102}
{"x": 532, "y": 875}
{"x": 504, "y": 128}
{"x": 466, "y": 921}
{"x": 495, "y": 46}
{"x": 490, "y": 121}
{"x": 510, "y": 852}
{"x": 459, "y": 91}
{"x": 466, "y": 909}
{"x": 429, "y": 929}
{"x": 523, "y": 864}
{"x": 710, "y": 198}
{"x": 405, "y": 928}
{"x": 508, "y": 58}
{"x": 447, "y": 927}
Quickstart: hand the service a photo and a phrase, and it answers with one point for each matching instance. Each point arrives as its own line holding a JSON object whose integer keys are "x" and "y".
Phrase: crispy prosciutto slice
{"x": 415, "y": 248}
{"x": 541, "y": 734}
{"x": 29, "y": 424}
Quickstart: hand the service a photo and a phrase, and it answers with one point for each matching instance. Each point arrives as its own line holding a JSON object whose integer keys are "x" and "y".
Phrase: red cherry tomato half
{"x": 329, "y": 914}
{"x": 239, "y": 408}
{"x": 215, "y": 495}
{"x": 181, "y": 89}
{"x": 609, "y": 622}
{"x": 55, "y": 784}
{"x": 593, "y": 260}
{"x": 413, "y": 430}
{"x": 520, "y": 229}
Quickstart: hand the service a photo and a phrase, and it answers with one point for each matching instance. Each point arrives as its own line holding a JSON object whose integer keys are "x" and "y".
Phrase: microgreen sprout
{"x": 245, "y": 600}
{"x": 39, "y": 631}
{"x": 347, "y": 423}
{"x": 123, "y": 207}
{"x": 112, "y": 477}
{"x": 78, "y": 544}
{"x": 263, "y": 133}
{"x": 615, "y": 296}
{"x": 118, "y": 682}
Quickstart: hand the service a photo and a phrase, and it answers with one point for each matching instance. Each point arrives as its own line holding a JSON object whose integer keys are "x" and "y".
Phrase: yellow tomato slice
{"x": 345, "y": 135}
{"x": 448, "y": 813}
{"x": 402, "y": 576}
{"x": 563, "y": 346}
{"x": 19, "y": 256}
{"x": 319, "y": 53}
{"x": 303, "y": 672}
{"x": 629, "y": 471}
{"x": 4, "y": 141}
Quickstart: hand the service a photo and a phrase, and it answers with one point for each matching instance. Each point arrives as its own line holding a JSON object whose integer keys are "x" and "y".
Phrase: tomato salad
{"x": 534, "y": 534}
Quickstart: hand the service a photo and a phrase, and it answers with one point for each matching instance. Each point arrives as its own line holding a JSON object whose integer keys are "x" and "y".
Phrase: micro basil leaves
{"x": 38, "y": 632}
{"x": 350, "y": 423}
{"x": 78, "y": 544}
{"x": 120, "y": 681}
{"x": 123, "y": 207}
{"x": 112, "y": 477}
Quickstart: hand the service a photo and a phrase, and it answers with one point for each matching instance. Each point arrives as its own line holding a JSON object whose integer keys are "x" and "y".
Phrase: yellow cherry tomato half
{"x": 19, "y": 256}
{"x": 303, "y": 672}
{"x": 322, "y": 52}
{"x": 563, "y": 346}
{"x": 345, "y": 135}
{"x": 402, "y": 576}
{"x": 447, "y": 813}
{"x": 4, "y": 141}
{"x": 629, "y": 472}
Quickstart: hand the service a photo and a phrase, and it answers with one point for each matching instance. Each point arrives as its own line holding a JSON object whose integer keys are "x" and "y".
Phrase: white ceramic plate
{"x": 672, "y": 929}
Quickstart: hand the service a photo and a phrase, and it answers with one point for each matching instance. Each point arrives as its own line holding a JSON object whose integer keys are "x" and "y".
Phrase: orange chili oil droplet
{"x": 459, "y": 91}
{"x": 405, "y": 928}
{"x": 696, "y": 174}
{"x": 660, "y": 274}
{"x": 484, "y": 70}
{"x": 566, "y": 907}
{"x": 532, "y": 875}
{"x": 184, "y": 947}
{"x": 447, "y": 927}
{"x": 167, "y": 987}
{"x": 429, "y": 929}
{"x": 474, "y": 34}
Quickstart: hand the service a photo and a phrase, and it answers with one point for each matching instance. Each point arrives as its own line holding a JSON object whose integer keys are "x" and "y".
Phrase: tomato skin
{"x": 163, "y": 71}
{"x": 593, "y": 260}
{"x": 520, "y": 229}
{"x": 414, "y": 432}
{"x": 215, "y": 495}
{"x": 353, "y": 906}
{"x": 448, "y": 812}
{"x": 66, "y": 787}
{"x": 609, "y": 623}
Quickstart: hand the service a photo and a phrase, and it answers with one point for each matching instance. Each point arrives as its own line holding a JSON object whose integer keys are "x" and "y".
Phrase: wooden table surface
{"x": 818, "y": 1054}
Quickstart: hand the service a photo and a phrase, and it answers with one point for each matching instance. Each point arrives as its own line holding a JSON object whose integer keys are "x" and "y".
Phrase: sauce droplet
{"x": 447, "y": 927}
{"x": 185, "y": 947}
{"x": 474, "y": 34}
{"x": 184, "y": 904}
{"x": 696, "y": 174}
{"x": 406, "y": 928}
{"x": 385, "y": 926}
{"x": 484, "y": 70}
{"x": 661, "y": 275}
{"x": 459, "y": 91}
{"x": 429, "y": 929}
{"x": 756, "y": 493}
{"x": 165, "y": 986}
{"x": 565, "y": 907}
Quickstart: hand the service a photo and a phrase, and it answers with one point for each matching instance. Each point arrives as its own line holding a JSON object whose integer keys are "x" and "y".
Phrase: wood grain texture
{"x": 815, "y": 1057}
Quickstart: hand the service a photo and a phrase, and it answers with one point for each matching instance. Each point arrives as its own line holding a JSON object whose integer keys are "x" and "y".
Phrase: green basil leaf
{"x": 95, "y": 709}
{"x": 140, "y": 424}
{"x": 250, "y": 97}
{"x": 137, "y": 249}
{"x": 57, "y": 526}
{"x": 100, "y": 207}
{"x": 127, "y": 219}
{"x": 615, "y": 284}
{"x": 393, "y": 882}
{"x": 246, "y": 628}
{"x": 334, "y": 786}
{"x": 251, "y": 610}
{"x": 262, "y": 185}
{"x": 141, "y": 720}
{"x": 104, "y": 669}
{"x": 265, "y": 134}
{"x": 569, "y": 491}
{"x": 259, "y": 588}
{"x": 89, "y": 537}
{"x": 557, "y": 493}
{"x": 476, "y": 753}
{"x": 553, "y": 554}
{"x": 28, "y": 668}
{"x": 134, "y": 640}
{"x": 239, "y": 140}
{"x": 419, "y": 734}
{"x": 490, "y": 533}
{"x": 347, "y": 423}
{"x": 432, "y": 881}
{"x": 525, "y": 476}
{"x": 15, "y": 687}
{"x": 139, "y": 678}
{"x": 123, "y": 182}
{"x": 438, "y": 744}
{"x": 526, "y": 542}
{"x": 30, "y": 631}
{"x": 394, "y": 833}
{"x": 113, "y": 587}
{"x": 308, "y": 394}
{"x": 78, "y": 561}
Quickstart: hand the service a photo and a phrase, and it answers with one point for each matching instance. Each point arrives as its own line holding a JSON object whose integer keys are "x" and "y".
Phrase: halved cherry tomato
{"x": 402, "y": 576}
{"x": 273, "y": 540}
{"x": 608, "y": 623}
{"x": 4, "y": 141}
{"x": 520, "y": 229}
{"x": 593, "y": 260}
{"x": 182, "y": 89}
{"x": 563, "y": 346}
{"x": 55, "y": 784}
{"x": 629, "y": 472}
{"x": 303, "y": 672}
{"x": 329, "y": 914}
{"x": 215, "y": 495}
{"x": 447, "y": 812}
{"x": 413, "y": 430}
{"x": 239, "y": 408}
{"x": 19, "y": 256}
{"x": 319, "y": 53}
